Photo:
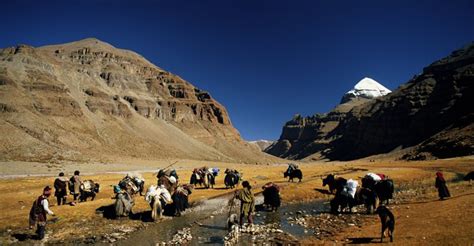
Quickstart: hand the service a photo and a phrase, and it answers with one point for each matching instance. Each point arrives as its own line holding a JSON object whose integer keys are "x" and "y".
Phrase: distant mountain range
{"x": 430, "y": 116}
{"x": 262, "y": 144}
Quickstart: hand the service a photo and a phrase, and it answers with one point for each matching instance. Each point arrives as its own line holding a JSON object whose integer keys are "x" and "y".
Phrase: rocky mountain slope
{"x": 88, "y": 100}
{"x": 305, "y": 136}
{"x": 432, "y": 114}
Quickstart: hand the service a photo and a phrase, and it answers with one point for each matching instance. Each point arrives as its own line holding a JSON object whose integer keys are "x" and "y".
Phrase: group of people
{"x": 204, "y": 176}
{"x": 40, "y": 208}
{"x": 61, "y": 184}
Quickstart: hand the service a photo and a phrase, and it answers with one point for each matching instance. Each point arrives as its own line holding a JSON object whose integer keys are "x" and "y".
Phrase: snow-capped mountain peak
{"x": 366, "y": 88}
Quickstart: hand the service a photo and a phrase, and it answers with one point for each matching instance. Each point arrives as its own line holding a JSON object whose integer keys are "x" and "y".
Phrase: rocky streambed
{"x": 206, "y": 223}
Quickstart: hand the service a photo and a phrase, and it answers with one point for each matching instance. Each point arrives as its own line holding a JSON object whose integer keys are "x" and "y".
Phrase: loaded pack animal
{"x": 124, "y": 193}
{"x": 388, "y": 222}
{"x": 202, "y": 177}
{"x": 335, "y": 184}
{"x": 469, "y": 177}
{"x": 137, "y": 181}
{"x": 179, "y": 193}
{"x": 352, "y": 196}
{"x": 271, "y": 196}
{"x": 88, "y": 189}
{"x": 169, "y": 178}
{"x": 123, "y": 202}
{"x": 158, "y": 198}
{"x": 180, "y": 200}
{"x": 232, "y": 178}
{"x": 293, "y": 172}
{"x": 384, "y": 188}
{"x": 215, "y": 171}
{"x": 169, "y": 172}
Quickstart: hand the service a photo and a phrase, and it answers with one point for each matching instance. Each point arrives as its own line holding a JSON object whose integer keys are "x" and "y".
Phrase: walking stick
{"x": 165, "y": 167}
{"x": 170, "y": 165}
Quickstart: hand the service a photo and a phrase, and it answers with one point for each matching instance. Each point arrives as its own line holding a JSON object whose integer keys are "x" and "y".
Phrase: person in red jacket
{"x": 440, "y": 184}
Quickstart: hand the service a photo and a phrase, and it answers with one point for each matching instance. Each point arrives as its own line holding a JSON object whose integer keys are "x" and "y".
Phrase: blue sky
{"x": 263, "y": 60}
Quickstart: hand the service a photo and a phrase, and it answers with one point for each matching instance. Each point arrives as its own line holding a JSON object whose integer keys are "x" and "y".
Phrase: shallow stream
{"x": 208, "y": 222}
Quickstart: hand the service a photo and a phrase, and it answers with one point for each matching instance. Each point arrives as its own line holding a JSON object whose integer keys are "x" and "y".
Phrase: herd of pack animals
{"x": 170, "y": 197}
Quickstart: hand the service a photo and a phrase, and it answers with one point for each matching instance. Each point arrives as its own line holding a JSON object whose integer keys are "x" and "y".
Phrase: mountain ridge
{"x": 430, "y": 115}
{"x": 89, "y": 100}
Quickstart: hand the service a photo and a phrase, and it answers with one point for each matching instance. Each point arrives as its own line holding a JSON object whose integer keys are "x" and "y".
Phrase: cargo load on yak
{"x": 132, "y": 183}
{"x": 292, "y": 167}
{"x": 373, "y": 176}
{"x": 350, "y": 187}
{"x": 168, "y": 172}
{"x": 87, "y": 185}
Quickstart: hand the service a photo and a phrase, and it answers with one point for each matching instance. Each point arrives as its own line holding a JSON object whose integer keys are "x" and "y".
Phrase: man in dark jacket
{"x": 60, "y": 192}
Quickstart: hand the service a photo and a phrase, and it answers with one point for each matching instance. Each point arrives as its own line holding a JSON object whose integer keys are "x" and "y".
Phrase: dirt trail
{"x": 433, "y": 222}
{"x": 421, "y": 219}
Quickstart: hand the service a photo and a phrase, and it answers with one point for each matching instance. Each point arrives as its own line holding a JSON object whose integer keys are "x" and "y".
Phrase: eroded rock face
{"x": 90, "y": 96}
{"x": 432, "y": 113}
{"x": 304, "y": 136}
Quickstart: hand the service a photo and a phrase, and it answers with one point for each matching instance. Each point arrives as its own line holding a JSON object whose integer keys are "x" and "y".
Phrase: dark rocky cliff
{"x": 433, "y": 112}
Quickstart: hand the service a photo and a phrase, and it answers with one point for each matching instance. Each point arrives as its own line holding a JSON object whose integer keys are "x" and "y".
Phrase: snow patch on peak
{"x": 366, "y": 88}
{"x": 261, "y": 144}
{"x": 261, "y": 140}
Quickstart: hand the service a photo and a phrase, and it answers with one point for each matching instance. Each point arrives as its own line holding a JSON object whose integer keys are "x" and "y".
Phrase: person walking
{"x": 76, "y": 183}
{"x": 440, "y": 184}
{"x": 247, "y": 203}
{"x": 60, "y": 187}
{"x": 39, "y": 212}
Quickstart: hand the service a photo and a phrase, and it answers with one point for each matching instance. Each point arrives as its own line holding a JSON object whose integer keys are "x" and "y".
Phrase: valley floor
{"x": 420, "y": 217}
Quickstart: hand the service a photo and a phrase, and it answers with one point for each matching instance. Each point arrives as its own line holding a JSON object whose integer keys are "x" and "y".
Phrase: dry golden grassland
{"x": 17, "y": 194}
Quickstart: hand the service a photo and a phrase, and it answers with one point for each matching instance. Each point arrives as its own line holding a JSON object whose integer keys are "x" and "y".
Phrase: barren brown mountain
{"x": 429, "y": 116}
{"x": 88, "y": 100}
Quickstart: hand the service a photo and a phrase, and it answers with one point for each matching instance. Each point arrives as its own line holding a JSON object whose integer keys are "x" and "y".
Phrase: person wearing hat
{"x": 39, "y": 211}
{"x": 60, "y": 192}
